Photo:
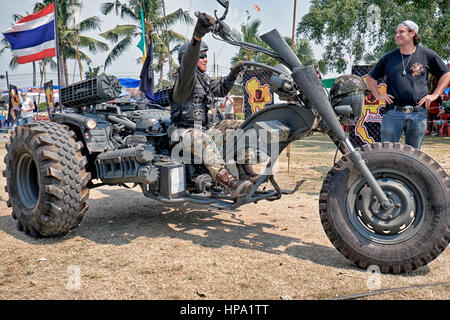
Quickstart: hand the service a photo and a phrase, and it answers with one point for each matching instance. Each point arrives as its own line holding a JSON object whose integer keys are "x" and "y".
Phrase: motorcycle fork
{"x": 311, "y": 86}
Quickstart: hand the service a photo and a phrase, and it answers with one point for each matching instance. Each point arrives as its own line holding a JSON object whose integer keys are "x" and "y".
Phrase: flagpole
{"x": 57, "y": 53}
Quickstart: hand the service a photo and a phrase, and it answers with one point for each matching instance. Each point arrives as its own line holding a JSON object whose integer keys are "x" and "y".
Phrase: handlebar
{"x": 222, "y": 30}
{"x": 263, "y": 66}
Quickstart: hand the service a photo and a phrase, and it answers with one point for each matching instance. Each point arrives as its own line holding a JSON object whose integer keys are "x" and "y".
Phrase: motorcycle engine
{"x": 151, "y": 122}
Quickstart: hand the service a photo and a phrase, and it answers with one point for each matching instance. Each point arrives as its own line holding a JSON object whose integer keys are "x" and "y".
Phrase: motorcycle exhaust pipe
{"x": 276, "y": 42}
{"x": 307, "y": 80}
{"x": 309, "y": 83}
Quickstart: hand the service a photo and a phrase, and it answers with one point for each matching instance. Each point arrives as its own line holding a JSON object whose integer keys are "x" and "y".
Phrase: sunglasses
{"x": 202, "y": 56}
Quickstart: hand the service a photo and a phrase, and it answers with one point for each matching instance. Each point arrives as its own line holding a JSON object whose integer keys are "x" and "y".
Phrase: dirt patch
{"x": 131, "y": 247}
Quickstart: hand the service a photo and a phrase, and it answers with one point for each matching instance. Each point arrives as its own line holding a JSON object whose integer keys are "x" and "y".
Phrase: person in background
{"x": 433, "y": 110}
{"x": 228, "y": 110}
{"x": 406, "y": 70}
{"x": 438, "y": 122}
{"x": 27, "y": 109}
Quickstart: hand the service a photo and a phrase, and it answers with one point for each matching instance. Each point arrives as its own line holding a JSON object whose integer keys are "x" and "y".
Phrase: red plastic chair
{"x": 445, "y": 125}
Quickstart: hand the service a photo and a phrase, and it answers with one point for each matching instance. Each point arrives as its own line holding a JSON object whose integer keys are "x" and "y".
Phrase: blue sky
{"x": 273, "y": 14}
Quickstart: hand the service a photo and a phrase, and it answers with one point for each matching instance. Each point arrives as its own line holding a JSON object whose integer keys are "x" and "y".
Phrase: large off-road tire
{"x": 46, "y": 179}
{"x": 407, "y": 237}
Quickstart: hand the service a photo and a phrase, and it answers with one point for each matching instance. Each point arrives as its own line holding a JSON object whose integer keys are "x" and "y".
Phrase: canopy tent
{"x": 129, "y": 82}
{"x": 328, "y": 82}
{"x": 134, "y": 83}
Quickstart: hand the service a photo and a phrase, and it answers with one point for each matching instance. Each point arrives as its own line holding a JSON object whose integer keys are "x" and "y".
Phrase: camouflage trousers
{"x": 207, "y": 144}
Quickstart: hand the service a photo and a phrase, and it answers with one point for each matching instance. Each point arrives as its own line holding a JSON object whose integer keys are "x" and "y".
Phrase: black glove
{"x": 234, "y": 70}
{"x": 204, "y": 25}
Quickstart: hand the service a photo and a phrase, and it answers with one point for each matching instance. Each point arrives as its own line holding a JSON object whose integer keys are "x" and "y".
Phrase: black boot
{"x": 236, "y": 188}
{"x": 246, "y": 172}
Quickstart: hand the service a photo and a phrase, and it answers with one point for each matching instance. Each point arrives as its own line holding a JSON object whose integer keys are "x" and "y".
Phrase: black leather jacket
{"x": 193, "y": 92}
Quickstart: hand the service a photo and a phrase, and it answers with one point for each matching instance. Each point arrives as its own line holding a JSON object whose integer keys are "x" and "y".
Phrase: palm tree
{"x": 70, "y": 34}
{"x": 304, "y": 52}
{"x": 248, "y": 33}
{"x": 122, "y": 35}
{"x": 161, "y": 55}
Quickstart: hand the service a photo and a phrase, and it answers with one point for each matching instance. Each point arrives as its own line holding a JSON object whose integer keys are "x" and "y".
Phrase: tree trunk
{"x": 61, "y": 66}
{"x": 161, "y": 73}
{"x": 66, "y": 72}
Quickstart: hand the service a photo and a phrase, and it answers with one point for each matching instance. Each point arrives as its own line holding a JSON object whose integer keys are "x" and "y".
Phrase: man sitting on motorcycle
{"x": 192, "y": 95}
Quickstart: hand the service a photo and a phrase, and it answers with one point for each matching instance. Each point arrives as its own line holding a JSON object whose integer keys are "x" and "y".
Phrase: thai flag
{"x": 33, "y": 37}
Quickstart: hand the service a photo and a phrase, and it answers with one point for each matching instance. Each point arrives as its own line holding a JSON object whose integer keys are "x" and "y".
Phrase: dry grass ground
{"x": 131, "y": 247}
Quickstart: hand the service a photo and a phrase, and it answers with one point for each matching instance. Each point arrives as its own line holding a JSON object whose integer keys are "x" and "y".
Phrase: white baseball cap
{"x": 411, "y": 25}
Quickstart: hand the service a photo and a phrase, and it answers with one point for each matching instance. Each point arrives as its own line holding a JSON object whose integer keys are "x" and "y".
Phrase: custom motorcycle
{"x": 384, "y": 204}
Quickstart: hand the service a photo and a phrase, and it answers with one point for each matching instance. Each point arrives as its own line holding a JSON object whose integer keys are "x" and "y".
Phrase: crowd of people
{"x": 437, "y": 113}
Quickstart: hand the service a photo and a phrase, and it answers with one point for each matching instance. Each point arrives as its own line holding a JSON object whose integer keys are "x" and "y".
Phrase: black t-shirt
{"x": 408, "y": 89}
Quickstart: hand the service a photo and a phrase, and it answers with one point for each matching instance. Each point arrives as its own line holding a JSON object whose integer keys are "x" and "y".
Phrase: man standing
{"x": 192, "y": 95}
{"x": 406, "y": 71}
{"x": 228, "y": 109}
{"x": 27, "y": 109}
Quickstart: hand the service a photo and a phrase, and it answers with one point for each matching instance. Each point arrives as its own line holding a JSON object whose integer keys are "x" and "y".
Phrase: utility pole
{"x": 293, "y": 24}
{"x": 214, "y": 66}
{"x": 5, "y": 77}
{"x": 288, "y": 149}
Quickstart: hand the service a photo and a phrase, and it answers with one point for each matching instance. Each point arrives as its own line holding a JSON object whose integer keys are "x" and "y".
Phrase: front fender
{"x": 96, "y": 140}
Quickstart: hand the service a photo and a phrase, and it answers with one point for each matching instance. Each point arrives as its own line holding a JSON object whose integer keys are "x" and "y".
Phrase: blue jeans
{"x": 414, "y": 125}
{"x": 26, "y": 120}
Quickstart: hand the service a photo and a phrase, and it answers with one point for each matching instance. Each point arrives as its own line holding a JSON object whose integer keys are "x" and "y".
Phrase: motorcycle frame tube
{"x": 214, "y": 202}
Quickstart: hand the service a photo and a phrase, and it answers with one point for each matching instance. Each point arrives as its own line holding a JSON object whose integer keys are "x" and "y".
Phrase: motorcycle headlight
{"x": 91, "y": 124}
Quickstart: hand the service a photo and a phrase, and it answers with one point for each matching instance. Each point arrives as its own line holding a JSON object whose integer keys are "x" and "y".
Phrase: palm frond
{"x": 172, "y": 18}
{"x": 89, "y": 24}
{"x": 92, "y": 44}
{"x": 70, "y": 53}
{"x": 118, "y": 49}
{"x": 120, "y": 31}
{"x": 177, "y": 37}
{"x": 107, "y": 7}
{"x": 16, "y": 17}
{"x": 51, "y": 64}
{"x": 13, "y": 63}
